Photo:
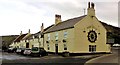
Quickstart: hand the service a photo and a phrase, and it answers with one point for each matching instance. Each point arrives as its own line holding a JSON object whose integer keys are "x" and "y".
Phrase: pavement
{"x": 109, "y": 59}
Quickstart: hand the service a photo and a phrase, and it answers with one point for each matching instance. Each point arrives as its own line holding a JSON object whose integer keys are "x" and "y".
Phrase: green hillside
{"x": 7, "y": 40}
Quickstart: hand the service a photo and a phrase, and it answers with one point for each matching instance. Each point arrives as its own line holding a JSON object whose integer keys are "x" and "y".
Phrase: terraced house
{"x": 17, "y": 42}
{"x": 34, "y": 40}
{"x": 84, "y": 34}
{"x": 29, "y": 40}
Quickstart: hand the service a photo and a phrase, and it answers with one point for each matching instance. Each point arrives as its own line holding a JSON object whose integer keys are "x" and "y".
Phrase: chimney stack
{"x": 21, "y": 33}
{"x": 29, "y": 31}
{"x": 57, "y": 19}
{"x": 42, "y": 27}
{"x": 91, "y": 10}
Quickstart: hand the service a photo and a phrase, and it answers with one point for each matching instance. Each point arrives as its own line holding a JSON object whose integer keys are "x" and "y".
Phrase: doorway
{"x": 56, "y": 48}
{"x": 27, "y": 45}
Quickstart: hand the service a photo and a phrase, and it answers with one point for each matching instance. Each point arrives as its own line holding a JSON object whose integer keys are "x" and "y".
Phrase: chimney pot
{"x": 29, "y": 31}
{"x": 21, "y": 33}
{"x": 91, "y": 10}
{"x": 42, "y": 27}
{"x": 42, "y": 24}
{"x": 57, "y": 19}
{"x": 58, "y": 16}
{"x": 88, "y": 4}
{"x": 92, "y": 4}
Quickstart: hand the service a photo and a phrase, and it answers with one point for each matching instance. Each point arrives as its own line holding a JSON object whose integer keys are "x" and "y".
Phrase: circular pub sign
{"x": 92, "y": 36}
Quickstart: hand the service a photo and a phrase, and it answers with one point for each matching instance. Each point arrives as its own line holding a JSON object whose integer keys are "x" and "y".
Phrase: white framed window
{"x": 48, "y": 37}
{"x": 56, "y": 36}
{"x": 65, "y": 34}
{"x": 65, "y": 47}
{"x": 92, "y": 48}
{"x": 48, "y": 46}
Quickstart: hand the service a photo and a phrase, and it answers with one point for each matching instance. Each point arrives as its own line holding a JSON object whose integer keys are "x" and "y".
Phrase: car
{"x": 27, "y": 51}
{"x": 11, "y": 50}
{"x": 116, "y": 45}
{"x": 20, "y": 50}
{"x": 36, "y": 51}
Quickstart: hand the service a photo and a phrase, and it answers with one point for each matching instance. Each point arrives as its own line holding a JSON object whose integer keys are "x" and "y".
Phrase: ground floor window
{"x": 92, "y": 48}
{"x": 48, "y": 46}
{"x": 65, "y": 47}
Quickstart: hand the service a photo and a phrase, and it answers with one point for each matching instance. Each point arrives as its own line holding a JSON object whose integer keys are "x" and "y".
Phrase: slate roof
{"x": 65, "y": 24}
{"x": 36, "y": 35}
{"x": 27, "y": 37}
{"x": 71, "y": 22}
{"x": 111, "y": 28}
{"x": 20, "y": 38}
{"x": 46, "y": 29}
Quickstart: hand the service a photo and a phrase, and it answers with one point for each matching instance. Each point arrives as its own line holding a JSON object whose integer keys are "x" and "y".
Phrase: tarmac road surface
{"x": 15, "y": 59}
{"x": 110, "y": 59}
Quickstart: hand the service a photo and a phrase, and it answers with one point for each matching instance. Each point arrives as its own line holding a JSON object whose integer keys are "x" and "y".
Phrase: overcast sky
{"x": 21, "y": 15}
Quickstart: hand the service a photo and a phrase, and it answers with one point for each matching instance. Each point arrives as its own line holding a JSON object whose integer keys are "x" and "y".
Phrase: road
{"x": 110, "y": 59}
{"x": 13, "y": 59}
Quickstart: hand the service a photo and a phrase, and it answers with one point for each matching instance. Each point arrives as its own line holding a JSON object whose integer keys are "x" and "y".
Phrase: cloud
{"x": 104, "y": 10}
{"x": 107, "y": 12}
{"x": 17, "y": 15}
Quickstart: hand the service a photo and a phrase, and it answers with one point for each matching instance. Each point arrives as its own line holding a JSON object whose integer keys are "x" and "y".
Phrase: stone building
{"x": 84, "y": 34}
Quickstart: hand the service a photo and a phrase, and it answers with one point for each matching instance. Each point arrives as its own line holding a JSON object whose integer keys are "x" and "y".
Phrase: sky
{"x": 22, "y": 15}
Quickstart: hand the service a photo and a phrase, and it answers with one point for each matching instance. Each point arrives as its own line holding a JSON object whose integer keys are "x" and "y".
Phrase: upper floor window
{"x": 48, "y": 37}
{"x": 65, "y": 34}
{"x": 56, "y": 36}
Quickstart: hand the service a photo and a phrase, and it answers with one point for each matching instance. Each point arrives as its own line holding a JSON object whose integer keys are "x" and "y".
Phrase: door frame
{"x": 56, "y": 48}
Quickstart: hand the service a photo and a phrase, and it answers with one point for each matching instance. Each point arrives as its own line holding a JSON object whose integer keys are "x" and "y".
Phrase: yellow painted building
{"x": 17, "y": 41}
{"x": 29, "y": 40}
{"x": 84, "y": 34}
